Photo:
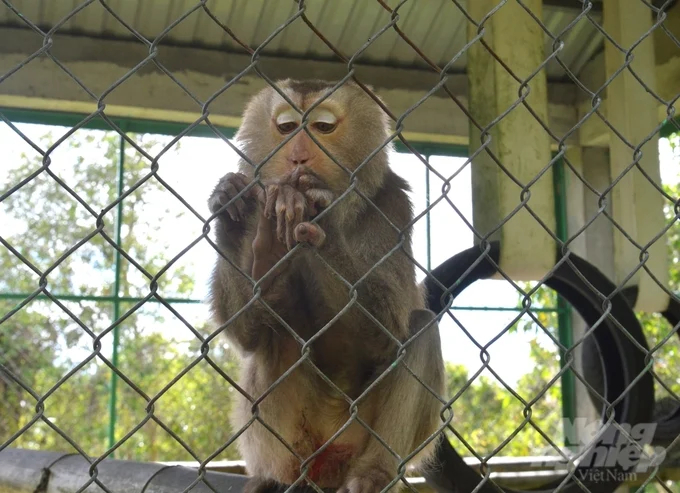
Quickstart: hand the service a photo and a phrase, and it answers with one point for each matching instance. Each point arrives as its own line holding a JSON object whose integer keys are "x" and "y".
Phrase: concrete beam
{"x": 594, "y": 132}
{"x": 667, "y": 66}
{"x": 518, "y": 141}
{"x": 637, "y": 205}
{"x": 151, "y": 94}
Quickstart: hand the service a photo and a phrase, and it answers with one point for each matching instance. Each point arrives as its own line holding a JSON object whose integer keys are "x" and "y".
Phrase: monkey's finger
{"x": 281, "y": 217}
{"x": 270, "y": 205}
{"x": 237, "y": 206}
{"x": 293, "y": 218}
{"x": 291, "y": 198}
{"x": 260, "y": 195}
{"x": 222, "y": 196}
{"x": 308, "y": 180}
{"x": 299, "y": 208}
{"x": 256, "y": 191}
{"x": 294, "y": 176}
{"x": 321, "y": 197}
{"x": 238, "y": 179}
{"x": 310, "y": 233}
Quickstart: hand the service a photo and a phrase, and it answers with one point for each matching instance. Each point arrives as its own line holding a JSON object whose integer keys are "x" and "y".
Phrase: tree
{"x": 656, "y": 328}
{"x": 487, "y": 413}
{"x": 40, "y": 343}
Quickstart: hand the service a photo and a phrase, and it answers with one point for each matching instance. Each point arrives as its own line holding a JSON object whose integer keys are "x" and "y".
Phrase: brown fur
{"x": 304, "y": 409}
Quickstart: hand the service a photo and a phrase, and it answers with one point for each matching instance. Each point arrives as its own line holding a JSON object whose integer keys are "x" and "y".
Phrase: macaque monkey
{"x": 351, "y": 241}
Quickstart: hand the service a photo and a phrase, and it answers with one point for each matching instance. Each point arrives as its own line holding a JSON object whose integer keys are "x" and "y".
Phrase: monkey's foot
{"x": 370, "y": 481}
{"x": 310, "y": 233}
{"x": 225, "y": 192}
{"x": 261, "y": 485}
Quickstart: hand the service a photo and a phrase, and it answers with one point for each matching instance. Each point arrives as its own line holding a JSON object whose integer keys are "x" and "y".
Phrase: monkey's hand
{"x": 289, "y": 206}
{"x": 316, "y": 191}
{"x": 225, "y": 192}
{"x": 268, "y": 249}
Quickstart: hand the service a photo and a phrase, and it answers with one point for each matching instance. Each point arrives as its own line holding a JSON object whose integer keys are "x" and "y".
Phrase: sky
{"x": 194, "y": 167}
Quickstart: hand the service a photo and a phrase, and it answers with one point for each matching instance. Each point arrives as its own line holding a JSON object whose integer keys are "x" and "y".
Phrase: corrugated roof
{"x": 437, "y": 27}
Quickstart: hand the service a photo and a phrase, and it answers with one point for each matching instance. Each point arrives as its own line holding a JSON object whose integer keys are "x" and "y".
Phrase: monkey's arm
{"x": 246, "y": 252}
{"x": 356, "y": 247}
{"x": 383, "y": 285}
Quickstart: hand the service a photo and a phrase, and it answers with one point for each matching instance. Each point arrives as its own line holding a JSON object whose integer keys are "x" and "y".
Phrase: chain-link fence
{"x": 562, "y": 110}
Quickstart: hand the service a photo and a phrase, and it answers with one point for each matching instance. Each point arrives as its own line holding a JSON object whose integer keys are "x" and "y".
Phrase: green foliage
{"x": 661, "y": 337}
{"x": 498, "y": 411}
{"x": 41, "y": 342}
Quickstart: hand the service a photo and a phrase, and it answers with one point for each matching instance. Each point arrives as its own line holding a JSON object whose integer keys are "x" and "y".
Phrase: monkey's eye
{"x": 324, "y": 127}
{"x": 286, "y": 127}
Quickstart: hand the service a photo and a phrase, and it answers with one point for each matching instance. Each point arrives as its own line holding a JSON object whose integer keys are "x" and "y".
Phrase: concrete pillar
{"x": 575, "y": 205}
{"x": 637, "y": 206}
{"x": 599, "y": 235}
{"x": 518, "y": 140}
{"x": 576, "y": 219}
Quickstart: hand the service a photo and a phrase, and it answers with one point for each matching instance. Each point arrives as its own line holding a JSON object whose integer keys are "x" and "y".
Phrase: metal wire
{"x": 393, "y": 24}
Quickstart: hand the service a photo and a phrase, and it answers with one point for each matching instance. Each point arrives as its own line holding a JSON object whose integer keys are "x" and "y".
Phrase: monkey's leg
{"x": 405, "y": 411}
{"x": 261, "y": 485}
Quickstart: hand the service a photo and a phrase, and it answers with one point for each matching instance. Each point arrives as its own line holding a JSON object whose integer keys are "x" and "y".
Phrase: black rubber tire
{"x": 623, "y": 362}
{"x": 668, "y": 422}
{"x": 667, "y": 410}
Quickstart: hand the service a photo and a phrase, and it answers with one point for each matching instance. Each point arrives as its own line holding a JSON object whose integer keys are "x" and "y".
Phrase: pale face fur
{"x": 360, "y": 128}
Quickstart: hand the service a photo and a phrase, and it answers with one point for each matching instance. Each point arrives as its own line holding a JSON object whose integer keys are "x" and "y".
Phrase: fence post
{"x": 518, "y": 140}
{"x": 576, "y": 219}
{"x": 632, "y": 111}
{"x": 116, "y": 298}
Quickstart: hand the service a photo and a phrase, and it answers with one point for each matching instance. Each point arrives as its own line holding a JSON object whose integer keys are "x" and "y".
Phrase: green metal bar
{"x": 130, "y": 125}
{"x": 669, "y": 127}
{"x": 130, "y": 299}
{"x": 433, "y": 149}
{"x": 103, "y": 299}
{"x": 116, "y": 294}
{"x": 564, "y": 322}
{"x": 502, "y": 309}
{"x": 427, "y": 216}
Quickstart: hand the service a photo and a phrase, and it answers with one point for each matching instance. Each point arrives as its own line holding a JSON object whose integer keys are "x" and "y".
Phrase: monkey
{"x": 326, "y": 236}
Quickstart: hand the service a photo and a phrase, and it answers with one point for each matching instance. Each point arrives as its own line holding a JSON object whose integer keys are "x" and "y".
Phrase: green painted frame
{"x": 426, "y": 149}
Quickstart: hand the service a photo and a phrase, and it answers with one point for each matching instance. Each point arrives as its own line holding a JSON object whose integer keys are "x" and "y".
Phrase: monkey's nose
{"x": 299, "y": 160}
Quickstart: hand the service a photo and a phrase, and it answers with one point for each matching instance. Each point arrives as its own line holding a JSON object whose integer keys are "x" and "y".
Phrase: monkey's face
{"x": 341, "y": 132}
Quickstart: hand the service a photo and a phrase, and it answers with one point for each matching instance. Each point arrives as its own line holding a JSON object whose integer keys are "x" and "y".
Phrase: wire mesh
{"x": 112, "y": 213}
